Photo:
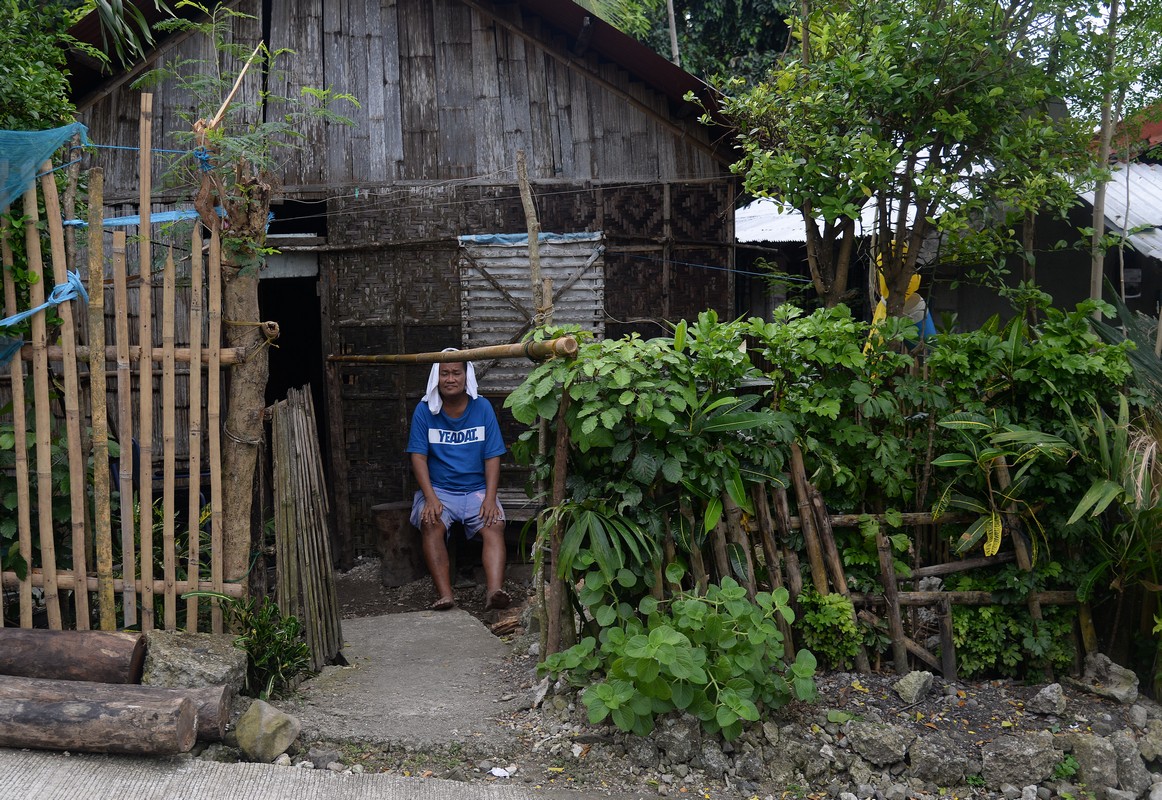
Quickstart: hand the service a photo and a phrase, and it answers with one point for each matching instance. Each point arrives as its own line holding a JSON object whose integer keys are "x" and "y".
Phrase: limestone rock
{"x": 713, "y": 761}
{"x": 679, "y": 739}
{"x": 914, "y": 686}
{"x": 938, "y": 760}
{"x": 1120, "y": 794}
{"x": 1050, "y": 700}
{"x": 878, "y": 743}
{"x": 179, "y": 660}
{"x": 1151, "y": 743}
{"x": 1132, "y": 773}
{"x": 1097, "y": 763}
{"x": 264, "y": 732}
{"x": 749, "y": 766}
{"x": 1019, "y": 759}
{"x": 1107, "y": 679}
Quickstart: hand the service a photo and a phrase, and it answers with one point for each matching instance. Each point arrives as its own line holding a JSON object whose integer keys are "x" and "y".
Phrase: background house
{"x": 369, "y": 217}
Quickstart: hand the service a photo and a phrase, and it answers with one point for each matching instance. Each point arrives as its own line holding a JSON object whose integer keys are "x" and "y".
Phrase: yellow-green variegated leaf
{"x": 993, "y": 530}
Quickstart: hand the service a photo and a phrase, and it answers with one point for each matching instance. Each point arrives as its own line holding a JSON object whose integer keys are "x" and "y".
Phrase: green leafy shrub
{"x": 828, "y": 628}
{"x": 717, "y": 657}
{"x": 275, "y": 651}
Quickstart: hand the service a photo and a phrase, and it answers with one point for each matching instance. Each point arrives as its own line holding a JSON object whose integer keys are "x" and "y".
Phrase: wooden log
{"x": 895, "y": 624}
{"x": 718, "y": 549}
{"x": 213, "y": 703}
{"x": 1050, "y": 598}
{"x": 961, "y": 566}
{"x": 163, "y": 726}
{"x": 807, "y": 516}
{"x": 947, "y": 643}
{"x": 101, "y": 656}
{"x": 697, "y": 564}
{"x": 773, "y": 559}
{"x": 738, "y": 536}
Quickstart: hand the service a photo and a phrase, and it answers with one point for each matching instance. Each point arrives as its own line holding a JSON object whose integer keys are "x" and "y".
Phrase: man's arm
{"x": 433, "y": 508}
{"x": 489, "y": 510}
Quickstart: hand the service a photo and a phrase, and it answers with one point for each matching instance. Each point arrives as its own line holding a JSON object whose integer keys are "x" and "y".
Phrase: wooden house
{"x": 383, "y": 225}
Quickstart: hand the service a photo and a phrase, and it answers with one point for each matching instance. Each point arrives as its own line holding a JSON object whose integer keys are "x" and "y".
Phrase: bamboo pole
{"x": 43, "y": 419}
{"x": 213, "y": 421}
{"x": 20, "y": 432}
{"x": 102, "y": 521}
{"x": 564, "y": 347}
{"x": 182, "y": 355}
{"x": 697, "y": 565}
{"x": 145, "y": 372}
{"x": 718, "y": 550}
{"x": 895, "y": 623}
{"x": 323, "y": 541}
{"x": 72, "y": 392}
{"x": 807, "y": 518}
{"x": 534, "y": 232}
{"x": 124, "y": 429}
{"x": 168, "y": 441}
{"x": 194, "y": 562}
{"x": 68, "y": 582}
{"x": 947, "y": 642}
{"x": 969, "y": 598}
{"x": 738, "y": 536}
{"x": 773, "y": 560}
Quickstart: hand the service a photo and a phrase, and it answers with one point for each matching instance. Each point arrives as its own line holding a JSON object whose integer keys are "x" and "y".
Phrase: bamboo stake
{"x": 194, "y": 563}
{"x": 1060, "y": 597}
{"x": 124, "y": 430}
{"x": 20, "y": 432}
{"x": 534, "y": 231}
{"x": 718, "y": 549}
{"x": 697, "y": 565}
{"x": 213, "y": 421}
{"x": 734, "y": 527}
{"x": 839, "y": 578}
{"x": 102, "y": 522}
{"x": 318, "y": 494}
{"x": 773, "y": 560}
{"x": 41, "y": 408}
{"x": 947, "y": 643}
{"x": 145, "y": 374}
{"x": 807, "y": 518}
{"x": 68, "y": 336}
{"x": 182, "y": 355}
{"x": 168, "y": 441}
{"x": 564, "y": 347}
{"x": 669, "y": 556}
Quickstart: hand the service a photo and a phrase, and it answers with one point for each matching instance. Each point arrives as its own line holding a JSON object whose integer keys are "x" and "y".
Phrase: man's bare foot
{"x": 498, "y": 600}
{"x": 443, "y": 604}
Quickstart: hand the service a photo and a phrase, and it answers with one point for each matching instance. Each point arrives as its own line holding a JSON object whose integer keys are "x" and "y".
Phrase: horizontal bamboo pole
{"x": 910, "y": 518}
{"x": 230, "y": 355}
{"x": 960, "y": 566}
{"x": 1052, "y": 598}
{"x": 565, "y": 347}
{"x": 66, "y": 582}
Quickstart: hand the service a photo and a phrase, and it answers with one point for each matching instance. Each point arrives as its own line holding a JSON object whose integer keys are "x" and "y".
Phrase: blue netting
{"x": 22, "y": 153}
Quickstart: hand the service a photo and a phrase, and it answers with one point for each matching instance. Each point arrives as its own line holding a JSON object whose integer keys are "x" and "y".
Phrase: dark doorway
{"x": 297, "y": 360}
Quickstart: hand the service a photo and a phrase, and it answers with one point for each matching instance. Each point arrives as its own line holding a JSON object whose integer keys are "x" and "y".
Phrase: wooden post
{"x": 102, "y": 519}
{"x": 838, "y": 576}
{"x": 44, "y": 487}
{"x": 895, "y": 623}
{"x": 807, "y": 521}
{"x": 773, "y": 560}
{"x": 718, "y": 549}
{"x": 557, "y": 607}
{"x": 534, "y": 233}
{"x": 20, "y": 432}
{"x": 125, "y": 431}
{"x": 947, "y": 643}
{"x": 697, "y": 565}
{"x": 165, "y": 726}
{"x": 194, "y": 464}
{"x": 145, "y": 365}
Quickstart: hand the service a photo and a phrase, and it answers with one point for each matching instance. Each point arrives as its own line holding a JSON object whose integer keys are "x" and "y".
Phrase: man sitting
{"x": 455, "y": 446}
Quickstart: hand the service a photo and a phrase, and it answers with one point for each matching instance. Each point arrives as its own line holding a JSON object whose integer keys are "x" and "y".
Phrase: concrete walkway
{"x": 421, "y": 679}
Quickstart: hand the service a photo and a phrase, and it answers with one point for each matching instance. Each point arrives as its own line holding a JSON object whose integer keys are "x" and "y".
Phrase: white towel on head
{"x": 432, "y": 395}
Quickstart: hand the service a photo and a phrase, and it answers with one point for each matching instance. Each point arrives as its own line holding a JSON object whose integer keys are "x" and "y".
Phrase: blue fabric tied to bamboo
{"x": 71, "y": 289}
{"x": 22, "y": 153}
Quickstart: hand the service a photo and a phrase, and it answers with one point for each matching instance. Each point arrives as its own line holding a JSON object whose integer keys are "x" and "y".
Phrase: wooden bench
{"x": 398, "y": 542}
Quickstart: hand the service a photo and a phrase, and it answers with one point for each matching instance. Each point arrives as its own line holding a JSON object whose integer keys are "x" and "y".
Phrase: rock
{"x": 321, "y": 757}
{"x": 771, "y": 732}
{"x": 179, "y": 660}
{"x": 1107, "y": 679}
{"x": 914, "y": 686}
{"x": 938, "y": 759}
{"x": 1132, "y": 773}
{"x": 1019, "y": 759}
{"x": 1009, "y": 791}
{"x": 1120, "y": 794}
{"x": 847, "y": 796}
{"x": 1156, "y": 791}
{"x": 679, "y": 739}
{"x": 749, "y": 766}
{"x": 284, "y": 761}
{"x": 1029, "y": 792}
{"x": 1138, "y": 716}
{"x": 216, "y": 751}
{"x": 336, "y": 766}
{"x": 1097, "y": 763}
{"x": 713, "y": 761}
{"x": 1151, "y": 742}
{"x": 264, "y": 732}
{"x": 878, "y": 743}
{"x": 1050, "y": 700}
{"x": 896, "y": 792}
{"x": 642, "y": 752}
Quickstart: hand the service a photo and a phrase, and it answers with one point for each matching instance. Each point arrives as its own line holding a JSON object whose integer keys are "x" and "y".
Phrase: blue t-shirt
{"x": 457, "y": 447}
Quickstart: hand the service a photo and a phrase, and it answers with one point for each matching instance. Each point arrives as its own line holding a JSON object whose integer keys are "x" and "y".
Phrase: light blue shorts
{"x": 462, "y": 507}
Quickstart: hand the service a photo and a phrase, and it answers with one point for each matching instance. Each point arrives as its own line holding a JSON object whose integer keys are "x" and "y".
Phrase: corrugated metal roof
{"x": 1133, "y": 200}
{"x": 769, "y": 220}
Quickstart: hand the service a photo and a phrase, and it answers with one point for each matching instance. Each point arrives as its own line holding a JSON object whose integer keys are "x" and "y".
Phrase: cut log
{"x": 99, "y": 656}
{"x": 213, "y": 703}
{"x": 166, "y": 725}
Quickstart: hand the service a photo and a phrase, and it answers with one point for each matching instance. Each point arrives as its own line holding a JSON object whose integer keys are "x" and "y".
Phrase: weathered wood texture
{"x": 213, "y": 703}
{"x": 165, "y": 725}
{"x": 101, "y": 656}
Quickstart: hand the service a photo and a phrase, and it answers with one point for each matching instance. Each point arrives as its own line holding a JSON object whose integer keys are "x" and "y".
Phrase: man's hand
{"x": 490, "y": 512}
{"x": 432, "y": 512}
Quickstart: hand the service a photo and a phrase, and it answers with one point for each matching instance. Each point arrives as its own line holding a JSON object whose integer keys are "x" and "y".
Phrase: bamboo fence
{"x": 80, "y": 569}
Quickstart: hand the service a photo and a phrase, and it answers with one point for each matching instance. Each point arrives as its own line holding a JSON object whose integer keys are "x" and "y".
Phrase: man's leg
{"x": 436, "y": 557}
{"x": 493, "y": 558}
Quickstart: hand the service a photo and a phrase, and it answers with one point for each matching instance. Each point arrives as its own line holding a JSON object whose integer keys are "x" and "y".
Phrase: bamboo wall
{"x": 89, "y": 555}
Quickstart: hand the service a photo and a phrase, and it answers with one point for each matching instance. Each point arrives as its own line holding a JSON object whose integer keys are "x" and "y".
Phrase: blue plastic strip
{"x": 61, "y": 293}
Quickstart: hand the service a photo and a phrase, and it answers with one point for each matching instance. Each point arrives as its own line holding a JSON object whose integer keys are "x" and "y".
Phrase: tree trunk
{"x": 136, "y": 726}
{"x": 1096, "y": 251}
